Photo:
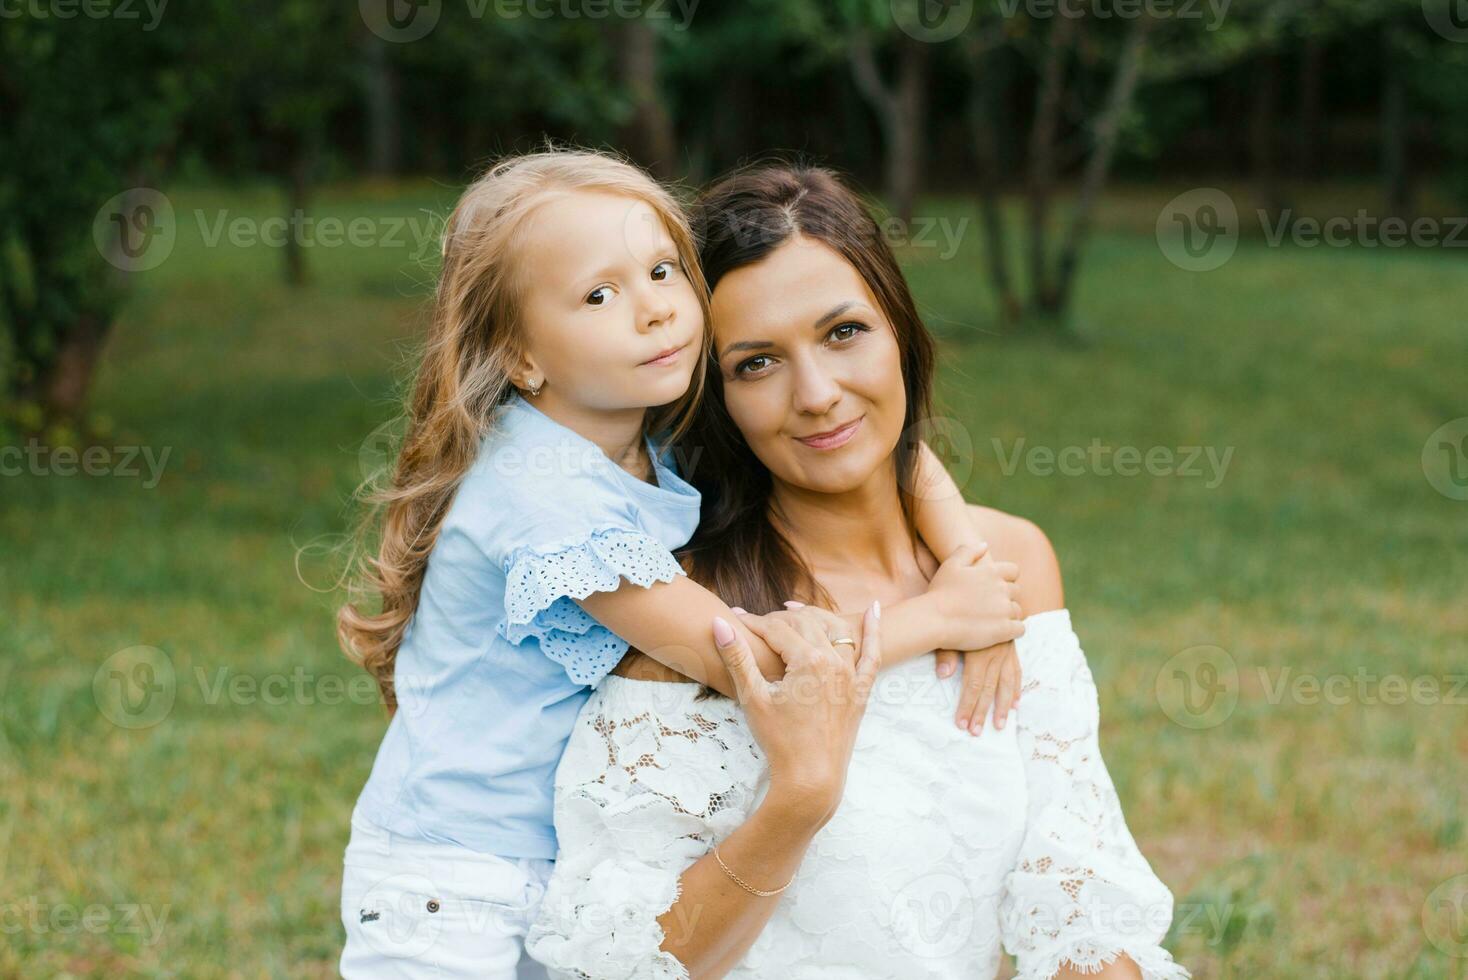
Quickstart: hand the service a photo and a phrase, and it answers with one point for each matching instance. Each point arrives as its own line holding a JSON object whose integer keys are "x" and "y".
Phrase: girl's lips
{"x": 834, "y": 438}
{"x": 670, "y": 357}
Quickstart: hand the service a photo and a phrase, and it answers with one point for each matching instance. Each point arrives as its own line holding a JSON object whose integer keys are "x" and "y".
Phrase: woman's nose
{"x": 816, "y": 391}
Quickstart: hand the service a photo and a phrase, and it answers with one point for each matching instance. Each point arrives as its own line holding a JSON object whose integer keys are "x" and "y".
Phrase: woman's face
{"x": 812, "y": 372}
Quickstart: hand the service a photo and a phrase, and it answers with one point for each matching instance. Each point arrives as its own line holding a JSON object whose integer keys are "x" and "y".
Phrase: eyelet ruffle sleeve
{"x": 652, "y": 776}
{"x": 541, "y": 588}
{"x": 1081, "y": 891}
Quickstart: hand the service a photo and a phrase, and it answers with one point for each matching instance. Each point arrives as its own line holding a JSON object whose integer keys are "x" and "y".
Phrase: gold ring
{"x": 846, "y": 640}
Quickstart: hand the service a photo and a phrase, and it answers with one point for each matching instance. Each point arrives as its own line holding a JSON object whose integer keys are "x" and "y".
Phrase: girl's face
{"x": 812, "y": 372}
{"x": 611, "y": 320}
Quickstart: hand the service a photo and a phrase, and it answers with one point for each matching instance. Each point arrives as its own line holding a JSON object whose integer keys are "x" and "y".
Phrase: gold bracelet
{"x": 744, "y": 884}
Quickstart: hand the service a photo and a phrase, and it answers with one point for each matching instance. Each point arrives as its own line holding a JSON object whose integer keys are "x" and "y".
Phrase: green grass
{"x": 1300, "y": 839}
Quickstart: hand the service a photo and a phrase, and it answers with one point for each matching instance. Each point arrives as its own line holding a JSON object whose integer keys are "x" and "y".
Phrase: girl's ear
{"x": 525, "y": 372}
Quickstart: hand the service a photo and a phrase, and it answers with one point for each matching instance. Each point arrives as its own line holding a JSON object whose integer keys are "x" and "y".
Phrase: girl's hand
{"x": 811, "y": 622}
{"x": 990, "y": 677}
{"x": 974, "y": 597}
{"x": 806, "y": 723}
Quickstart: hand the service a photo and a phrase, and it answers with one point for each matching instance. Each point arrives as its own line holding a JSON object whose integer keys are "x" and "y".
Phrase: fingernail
{"x": 959, "y": 723}
{"x": 740, "y": 610}
{"x": 792, "y": 604}
{"x": 876, "y": 608}
{"x": 976, "y": 727}
{"x": 723, "y": 632}
{"x": 945, "y": 669}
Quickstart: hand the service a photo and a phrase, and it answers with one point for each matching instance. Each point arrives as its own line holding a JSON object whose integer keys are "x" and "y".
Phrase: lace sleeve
{"x": 1081, "y": 892}
{"x": 653, "y": 775}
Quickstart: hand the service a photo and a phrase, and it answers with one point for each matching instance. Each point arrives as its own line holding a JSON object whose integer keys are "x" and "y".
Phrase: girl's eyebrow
{"x": 610, "y": 270}
{"x": 826, "y": 318}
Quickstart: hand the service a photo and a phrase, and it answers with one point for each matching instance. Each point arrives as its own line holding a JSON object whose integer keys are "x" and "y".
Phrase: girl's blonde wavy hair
{"x": 474, "y": 342}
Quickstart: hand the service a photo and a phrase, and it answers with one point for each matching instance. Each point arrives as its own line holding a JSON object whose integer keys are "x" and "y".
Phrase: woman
{"x": 826, "y": 827}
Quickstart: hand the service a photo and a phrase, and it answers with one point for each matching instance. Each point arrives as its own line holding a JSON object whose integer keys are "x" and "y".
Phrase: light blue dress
{"x": 499, "y": 659}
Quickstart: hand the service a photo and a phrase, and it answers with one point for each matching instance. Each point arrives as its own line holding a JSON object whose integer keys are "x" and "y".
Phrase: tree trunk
{"x": 648, "y": 134}
{"x": 384, "y": 125}
{"x": 1098, "y": 165}
{"x": 66, "y": 384}
{"x": 905, "y": 173}
{"x": 987, "y": 86}
{"x": 1307, "y": 132}
{"x": 901, "y": 110}
{"x": 1040, "y": 176}
{"x": 1263, "y": 129}
{"x": 1396, "y": 190}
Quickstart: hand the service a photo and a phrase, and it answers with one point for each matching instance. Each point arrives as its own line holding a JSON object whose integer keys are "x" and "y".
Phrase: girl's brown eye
{"x": 662, "y": 271}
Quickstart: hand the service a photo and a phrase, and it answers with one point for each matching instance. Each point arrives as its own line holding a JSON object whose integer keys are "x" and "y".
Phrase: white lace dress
{"x": 944, "y": 846}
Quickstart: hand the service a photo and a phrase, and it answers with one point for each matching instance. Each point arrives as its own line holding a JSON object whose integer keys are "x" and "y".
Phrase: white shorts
{"x": 415, "y": 909}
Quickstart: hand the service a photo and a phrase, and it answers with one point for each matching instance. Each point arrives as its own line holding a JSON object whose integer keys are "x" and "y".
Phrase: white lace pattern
{"x": 944, "y": 846}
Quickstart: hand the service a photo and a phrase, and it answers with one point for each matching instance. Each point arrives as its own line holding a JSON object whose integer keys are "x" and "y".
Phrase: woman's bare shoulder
{"x": 1021, "y": 541}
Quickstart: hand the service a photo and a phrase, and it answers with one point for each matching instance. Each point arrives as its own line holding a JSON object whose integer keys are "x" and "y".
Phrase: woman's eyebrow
{"x": 826, "y": 318}
{"x": 834, "y": 312}
{"x": 746, "y": 345}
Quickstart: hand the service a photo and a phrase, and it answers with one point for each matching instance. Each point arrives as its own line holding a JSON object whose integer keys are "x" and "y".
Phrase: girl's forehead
{"x": 591, "y": 225}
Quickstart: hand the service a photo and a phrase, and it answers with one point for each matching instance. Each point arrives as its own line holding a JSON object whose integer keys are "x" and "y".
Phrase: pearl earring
{"x": 535, "y": 388}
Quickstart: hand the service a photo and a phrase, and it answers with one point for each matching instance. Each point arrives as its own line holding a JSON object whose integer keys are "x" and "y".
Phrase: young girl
{"x": 527, "y": 537}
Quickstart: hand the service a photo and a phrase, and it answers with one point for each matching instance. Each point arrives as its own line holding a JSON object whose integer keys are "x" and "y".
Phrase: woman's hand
{"x": 975, "y": 598}
{"x": 806, "y": 723}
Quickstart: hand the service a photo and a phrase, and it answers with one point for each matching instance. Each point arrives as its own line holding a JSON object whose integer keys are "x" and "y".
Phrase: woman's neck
{"x": 616, "y": 433}
{"x": 862, "y": 529}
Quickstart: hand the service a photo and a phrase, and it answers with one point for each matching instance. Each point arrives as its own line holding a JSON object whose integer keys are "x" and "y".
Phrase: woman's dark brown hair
{"x": 738, "y": 551}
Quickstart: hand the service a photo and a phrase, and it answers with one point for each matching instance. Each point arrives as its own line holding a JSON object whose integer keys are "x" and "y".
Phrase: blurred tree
{"x": 648, "y": 131}
{"x": 89, "y": 107}
{"x": 1068, "y": 54}
{"x": 280, "y": 69}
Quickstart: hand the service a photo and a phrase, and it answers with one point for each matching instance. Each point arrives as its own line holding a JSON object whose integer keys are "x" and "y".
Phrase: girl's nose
{"x": 657, "y": 310}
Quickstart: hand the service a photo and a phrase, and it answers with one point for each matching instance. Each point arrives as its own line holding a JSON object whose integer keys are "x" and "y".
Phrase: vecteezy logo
{"x": 1198, "y": 231}
{"x": 953, "y": 444}
{"x": 400, "y": 21}
{"x": 135, "y": 688}
{"x": 135, "y": 230}
{"x": 405, "y": 912}
{"x": 1199, "y": 687}
{"x": 1448, "y": 17}
{"x": 1445, "y": 916}
{"x": 933, "y": 916}
{"x": 1445, "y": 459}
{"x": 378, "y": 453}
{"x": 932, "y": 21}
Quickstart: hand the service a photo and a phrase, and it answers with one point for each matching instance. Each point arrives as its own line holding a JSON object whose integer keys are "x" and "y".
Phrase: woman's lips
{"x": 665, "y": 358}
{"x": 835, "y": 437}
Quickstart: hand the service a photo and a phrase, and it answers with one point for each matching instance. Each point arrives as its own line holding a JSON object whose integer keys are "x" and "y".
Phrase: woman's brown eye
{"x": 751, "y": 365}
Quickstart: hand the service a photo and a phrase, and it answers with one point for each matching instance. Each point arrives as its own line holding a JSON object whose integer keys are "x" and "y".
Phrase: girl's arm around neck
{"x": 668, "y": 621}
